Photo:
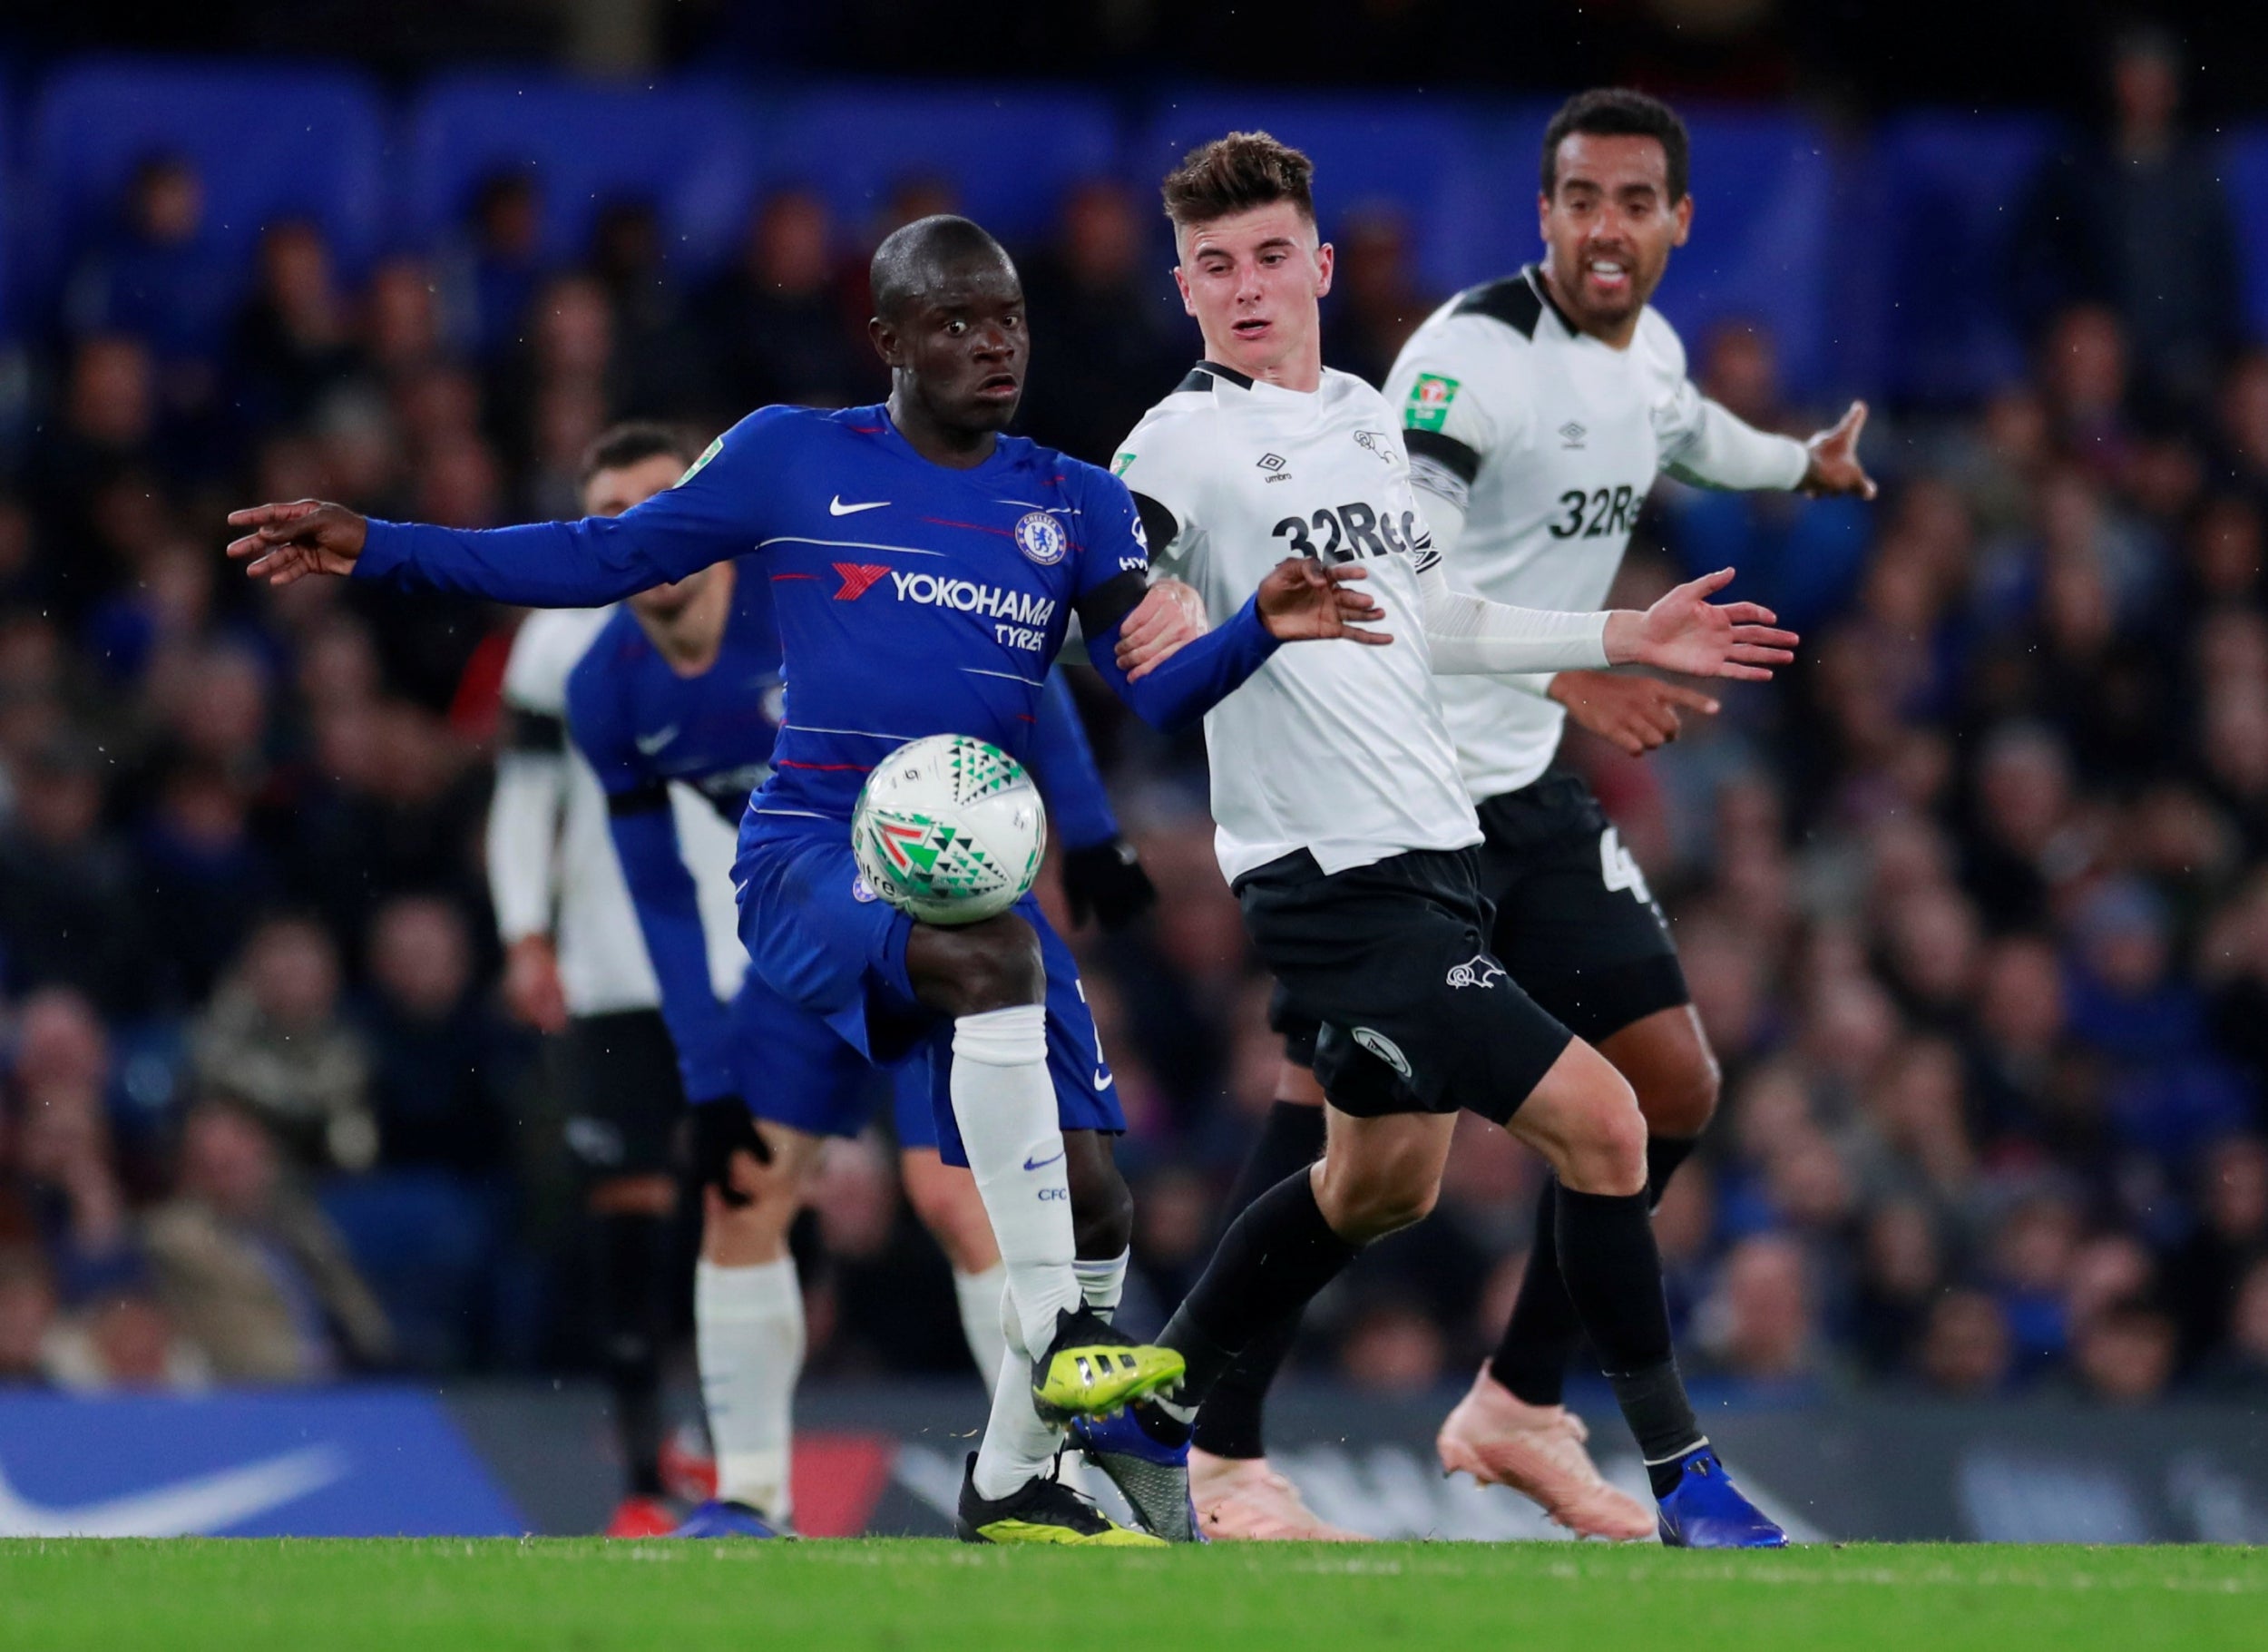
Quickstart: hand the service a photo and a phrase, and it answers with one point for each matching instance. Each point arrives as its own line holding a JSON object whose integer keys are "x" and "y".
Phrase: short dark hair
{"x": 1236, "y": 173}
{"x": 634, "y": 443}
{"x": 911, "y": 258}
{"x": 1615, "y": 111}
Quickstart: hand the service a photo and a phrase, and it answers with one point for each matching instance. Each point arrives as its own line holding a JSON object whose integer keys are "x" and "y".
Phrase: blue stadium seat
{"x": 1950, "y": 188}
{"x": 1009, "y": 154}
{"x": 309, "y": 143}
{"x": 694, "y": 151}
{"x": 2247, "y": 175}
{"x": 1414, "y": 153}
{"x": 430, "y": 1247}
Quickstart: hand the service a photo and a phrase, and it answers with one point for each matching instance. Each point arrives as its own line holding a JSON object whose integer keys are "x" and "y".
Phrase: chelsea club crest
{"x": 1041, "y": 538}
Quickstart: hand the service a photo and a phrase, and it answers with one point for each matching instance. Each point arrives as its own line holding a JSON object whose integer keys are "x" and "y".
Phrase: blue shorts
{"x": 824, "y": 940}
{"x": 794, "y": 1071}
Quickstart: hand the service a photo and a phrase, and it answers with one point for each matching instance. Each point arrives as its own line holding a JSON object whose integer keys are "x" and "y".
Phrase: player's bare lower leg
{"x": 748, "y": 1332}
{"x": 1512, "y": 1429}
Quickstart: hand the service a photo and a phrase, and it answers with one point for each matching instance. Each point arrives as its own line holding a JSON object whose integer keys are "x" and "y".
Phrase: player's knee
{"x": 1682, "y": 1103}
{"x": 994, "y": 966}
{"x": 1606, "y": 1146}
{"x": 1365, "y": 1208}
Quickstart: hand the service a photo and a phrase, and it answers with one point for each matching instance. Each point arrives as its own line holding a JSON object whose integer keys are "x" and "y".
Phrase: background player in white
{"x": 1537, "y": 410}
{"x": 1344, "y": 828}
{"x": 576, "y": 968}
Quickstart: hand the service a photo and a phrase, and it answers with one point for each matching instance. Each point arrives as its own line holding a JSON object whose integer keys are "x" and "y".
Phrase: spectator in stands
{"x": 442, "y": 1062}
{"x": 155, "y": 275}
{"x": 776, "y": 320}
{"x": 1762, "y": 1324}
{"x": 294, "y": 340}
{"x": 69, "y": 911}
{"x": 1375, "y": 302}
{"x": 63, "y": 1174}
{"x": 489, "y": 276}
{"x": 104, "y": 442}
{"x": 1802, "y": 558}
{"x": 2138, "y": 219}
{"x": 1967, "y": 1351}
{"x": 199, "y": 863}
{"x": 250, "y": 1268}
{"x": 2125, "y": 1353}
{"x": 2239, "y": 1366}
{"x": 273, "y": 1041}
{"x": 1105, "y": 338}
{"x": 27, "y": 1314}
{"x": 125, "y": 1340}
{"x": 2205, "y": 1273}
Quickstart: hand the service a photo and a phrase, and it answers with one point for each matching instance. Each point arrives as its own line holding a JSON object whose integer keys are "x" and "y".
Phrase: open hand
{"x": 1170, "y": 617}
{"x": 1684, "y": 632}
{"x": 1304, "y": 600}
{"x": 1835, "y": 468}
{"x": 289, "y": 541}
{"x": 1635, "y": 714}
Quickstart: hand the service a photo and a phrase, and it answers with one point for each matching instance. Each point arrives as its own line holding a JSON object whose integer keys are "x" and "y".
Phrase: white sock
{"x": 748, "y": 1334}
{"x": 1018, "y": 1443}
{"x": 1102, "y": 1284}
{"x": 981, "y": 1295}
{"x": 1004, "y": 1103}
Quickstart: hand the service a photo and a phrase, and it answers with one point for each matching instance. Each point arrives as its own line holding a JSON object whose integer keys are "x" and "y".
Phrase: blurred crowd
{"x": 1974, "y": 904}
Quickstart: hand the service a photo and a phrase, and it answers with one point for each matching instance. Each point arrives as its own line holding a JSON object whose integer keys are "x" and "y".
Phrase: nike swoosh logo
{"x": 1104, "y": 1078}
{"x": 835, "y": 507}
{"x": 205, "y": 1503}
{"x": 1043, "y": 1163}
{"x": 650, "y": 743}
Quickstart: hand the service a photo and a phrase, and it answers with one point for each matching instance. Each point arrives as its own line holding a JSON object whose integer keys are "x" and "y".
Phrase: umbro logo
{"x": 1571, "y": 435}
{"x": 1274, "y": 464}
{"x": 1480, "y": 971}
{"x": 858, "y": 579}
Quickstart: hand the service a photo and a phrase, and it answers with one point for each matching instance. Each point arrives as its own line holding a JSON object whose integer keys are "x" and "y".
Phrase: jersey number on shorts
{"x": 1619, "y": 869}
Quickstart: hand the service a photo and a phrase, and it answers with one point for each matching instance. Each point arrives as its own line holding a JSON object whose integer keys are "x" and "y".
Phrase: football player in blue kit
{"x": 681, "y": 687}
{"x": 924, "y": 570}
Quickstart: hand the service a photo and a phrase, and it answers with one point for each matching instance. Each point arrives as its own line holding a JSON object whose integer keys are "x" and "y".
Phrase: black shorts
{"x": 1576, "y": 924}
{"x": 1574, "y": 921}
{"x": 618, "y": 1077}
{"x": 1390, "y": 961}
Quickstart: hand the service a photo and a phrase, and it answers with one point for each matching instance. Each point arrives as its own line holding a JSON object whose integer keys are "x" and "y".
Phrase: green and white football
{"x": 949, "y": 830}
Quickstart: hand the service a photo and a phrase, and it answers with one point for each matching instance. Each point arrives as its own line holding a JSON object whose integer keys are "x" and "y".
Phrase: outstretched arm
{"x": 1682, "y": 633}
{"x": 712, "y": 515}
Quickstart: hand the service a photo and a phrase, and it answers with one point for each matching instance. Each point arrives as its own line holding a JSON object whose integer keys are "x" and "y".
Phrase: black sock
{"x": 1540, "y": 1337}
{"x": 1232, "y": 1423}
{"x": 1614, "y": 1277}
{"x": 631, "y": 1299}
{"x": 1271, "y": 1262}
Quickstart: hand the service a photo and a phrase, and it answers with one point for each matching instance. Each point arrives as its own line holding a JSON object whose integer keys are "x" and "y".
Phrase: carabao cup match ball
{"x": 949, "y": 830}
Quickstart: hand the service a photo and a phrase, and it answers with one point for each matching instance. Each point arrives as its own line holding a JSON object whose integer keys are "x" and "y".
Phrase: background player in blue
{"x": 924, "y": 569}
{"x": 679, "y": 687}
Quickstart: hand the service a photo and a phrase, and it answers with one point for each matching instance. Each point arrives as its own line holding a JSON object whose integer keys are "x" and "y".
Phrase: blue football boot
{"x": 1705, "y": 1510}
{"x": 1146, "y": 1453}
{"x": 719, "y": 1518}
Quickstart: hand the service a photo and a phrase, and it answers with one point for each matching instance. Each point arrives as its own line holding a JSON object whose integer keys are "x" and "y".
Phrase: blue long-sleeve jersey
{"x": 912, "y": 599}
{"x": 642, "y": 725}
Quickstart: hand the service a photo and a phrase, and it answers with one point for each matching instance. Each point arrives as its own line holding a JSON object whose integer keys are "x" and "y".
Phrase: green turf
{"x": 433, "y": 1594}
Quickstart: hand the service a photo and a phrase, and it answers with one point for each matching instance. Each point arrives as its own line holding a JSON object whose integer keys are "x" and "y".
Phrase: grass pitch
{"x": 583, "y": 1593}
